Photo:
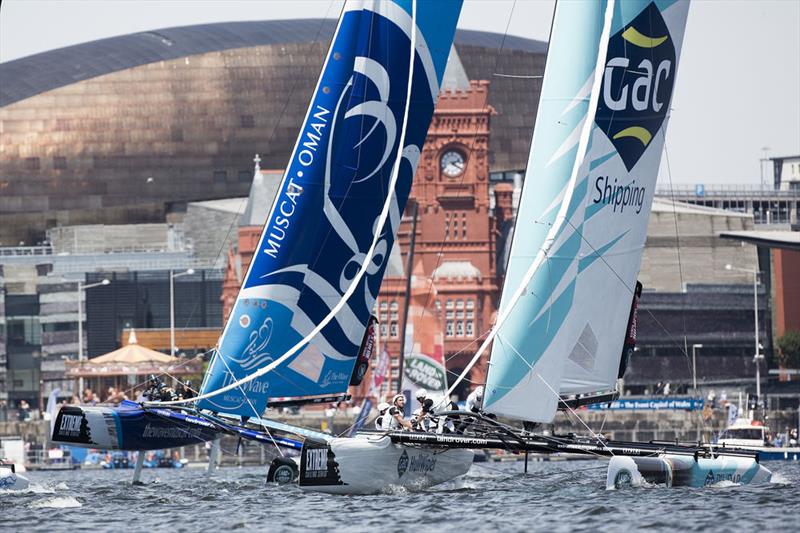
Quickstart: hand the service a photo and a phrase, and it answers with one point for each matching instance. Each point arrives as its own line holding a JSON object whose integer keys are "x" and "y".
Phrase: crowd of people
{"x": 429, "y": 416}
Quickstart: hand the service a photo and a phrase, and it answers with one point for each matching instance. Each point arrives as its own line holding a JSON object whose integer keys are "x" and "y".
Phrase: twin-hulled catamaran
{"x": 299, "y": 320}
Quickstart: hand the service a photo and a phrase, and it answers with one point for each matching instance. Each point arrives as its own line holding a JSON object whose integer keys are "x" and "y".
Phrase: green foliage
{"x": 789, "y": 347}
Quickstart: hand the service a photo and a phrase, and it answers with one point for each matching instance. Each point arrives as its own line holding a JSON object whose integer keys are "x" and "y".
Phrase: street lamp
{"x": 172, "y": 276}
{"x": 694, "y": 366}
{"x": 81, "y": 288}
{"x": 758, "y": 357}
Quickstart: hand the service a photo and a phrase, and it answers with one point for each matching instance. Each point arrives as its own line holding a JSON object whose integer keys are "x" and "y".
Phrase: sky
{"x": 737, "y": 96}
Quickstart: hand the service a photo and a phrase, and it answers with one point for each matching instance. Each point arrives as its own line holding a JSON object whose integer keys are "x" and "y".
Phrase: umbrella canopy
{"x": 133, "y": 360}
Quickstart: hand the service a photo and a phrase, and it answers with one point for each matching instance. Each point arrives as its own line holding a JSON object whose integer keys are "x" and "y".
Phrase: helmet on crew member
{"x": 382, "y": 407}
{"x": 421, "y": 394}
{"x": 479, "y": 392}
{"x": 398, "y": 397}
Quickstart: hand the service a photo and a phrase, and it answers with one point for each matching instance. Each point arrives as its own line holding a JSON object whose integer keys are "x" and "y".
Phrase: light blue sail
{"x": 324, "y": 219}
{"x": 586, "y": 201}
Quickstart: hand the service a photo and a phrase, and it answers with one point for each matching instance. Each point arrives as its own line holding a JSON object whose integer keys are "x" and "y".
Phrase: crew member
{"x": 474, "y": 405}
{"x": 475, "y": 400}
{"x": 382, "y": 408}
{"x": 420, "y": 414}
{"x": 394, "y": 416}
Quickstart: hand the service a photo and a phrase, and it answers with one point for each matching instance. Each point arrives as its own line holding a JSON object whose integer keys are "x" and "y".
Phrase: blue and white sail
{"x": 330, "y": 204}
{"x": 584, "y": 210}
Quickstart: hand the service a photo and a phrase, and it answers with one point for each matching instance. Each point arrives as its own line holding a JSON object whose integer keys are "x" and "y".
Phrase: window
{"x": 393, "y": 307}
{"x": 463, "y": 225}
{"x": 248, "y": 121}
{"x": 459, "y": 329}
{"x": 59, "y": 326}
{"x": 470, "y": 328}
{"x": 393, "y": 329}
{"x": 470, "y": 304}
{"x": 245, "y": 176}
{"x": 24, "y": 331}
{"x": 59, "y": 162}
{"x": 384, "y": 330}
{"x": 220, "y": 176}
{"x": 384, "y": 306}
{"x": 449, "y": 329}
{"x": 384, "y": 317}
{"x": 450, "y": 304}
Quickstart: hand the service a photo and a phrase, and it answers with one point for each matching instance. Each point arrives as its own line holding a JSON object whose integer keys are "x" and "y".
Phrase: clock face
{"x": 452, "y": 163}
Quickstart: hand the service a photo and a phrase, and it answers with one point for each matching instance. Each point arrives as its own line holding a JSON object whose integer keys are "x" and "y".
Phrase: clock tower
{"x": 454, "y": 234}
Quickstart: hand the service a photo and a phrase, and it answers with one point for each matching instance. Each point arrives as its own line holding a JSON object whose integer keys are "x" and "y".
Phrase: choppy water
{"x": 552, "y": 497}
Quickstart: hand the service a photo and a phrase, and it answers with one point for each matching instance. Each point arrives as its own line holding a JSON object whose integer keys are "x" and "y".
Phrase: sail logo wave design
{"x": 637, "y": 84}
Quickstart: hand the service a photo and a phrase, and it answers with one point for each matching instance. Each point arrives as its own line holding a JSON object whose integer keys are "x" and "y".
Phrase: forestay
{"x": 324, "y": 219}
{"x": 584, "y": 210}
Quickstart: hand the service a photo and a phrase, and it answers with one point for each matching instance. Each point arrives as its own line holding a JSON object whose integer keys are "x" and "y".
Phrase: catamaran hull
{"x": 684, "y": 471}
{"x": 370, "y": 465}
{"x": 9, "y": 480}
{"x": 128, "y": 427}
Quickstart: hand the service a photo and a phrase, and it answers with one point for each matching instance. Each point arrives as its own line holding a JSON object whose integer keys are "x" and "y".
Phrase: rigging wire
{"x": 368, "y": 256}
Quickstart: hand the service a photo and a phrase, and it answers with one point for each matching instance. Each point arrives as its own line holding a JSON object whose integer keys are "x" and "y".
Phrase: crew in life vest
{"x": 382, "y": 408}
{"x": 419, "y": 418}
{"x": 475, "y": 400}
{"x": 393, "y": 419}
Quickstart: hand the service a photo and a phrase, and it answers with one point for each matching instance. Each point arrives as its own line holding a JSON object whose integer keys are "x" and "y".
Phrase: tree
{"x": 789, "y": 349}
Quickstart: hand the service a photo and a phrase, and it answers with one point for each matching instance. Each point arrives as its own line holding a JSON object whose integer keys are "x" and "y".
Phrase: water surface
{"x": 557, "y": 496}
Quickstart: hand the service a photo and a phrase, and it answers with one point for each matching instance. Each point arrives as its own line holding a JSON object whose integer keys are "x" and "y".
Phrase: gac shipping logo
{"x": 637, "y": 84}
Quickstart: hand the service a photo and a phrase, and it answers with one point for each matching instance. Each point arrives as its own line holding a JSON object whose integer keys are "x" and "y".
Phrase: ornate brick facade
{"x": 455, "y": 232}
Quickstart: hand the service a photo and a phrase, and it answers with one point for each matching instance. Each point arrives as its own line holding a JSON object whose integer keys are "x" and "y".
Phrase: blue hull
{"x": 131, "y": 427}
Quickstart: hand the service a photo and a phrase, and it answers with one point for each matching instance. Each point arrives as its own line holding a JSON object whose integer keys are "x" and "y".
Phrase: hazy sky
{"x": 738, "y": 87}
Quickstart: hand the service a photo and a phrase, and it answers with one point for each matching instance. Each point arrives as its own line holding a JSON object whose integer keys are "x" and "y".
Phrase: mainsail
{"x": 326, "y": 215}
{"x": 585, "y": 206}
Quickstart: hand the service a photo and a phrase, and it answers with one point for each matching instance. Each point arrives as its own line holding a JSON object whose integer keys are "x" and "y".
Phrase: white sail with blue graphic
{"x": 585, "y": 206}
{"x": 326, "y": 215}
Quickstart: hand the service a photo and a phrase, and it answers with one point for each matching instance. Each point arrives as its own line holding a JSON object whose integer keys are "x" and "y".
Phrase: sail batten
{"x": 305, "y": 302}
{"x": 589, "y": 194}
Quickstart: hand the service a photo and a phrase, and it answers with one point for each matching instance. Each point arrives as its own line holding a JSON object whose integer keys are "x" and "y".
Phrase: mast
{"x": 409, "y": 273}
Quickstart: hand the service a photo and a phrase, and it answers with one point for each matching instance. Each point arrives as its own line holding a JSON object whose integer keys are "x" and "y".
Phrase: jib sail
{"x": 325, "y": 216}
{"x": 586, "y": 202}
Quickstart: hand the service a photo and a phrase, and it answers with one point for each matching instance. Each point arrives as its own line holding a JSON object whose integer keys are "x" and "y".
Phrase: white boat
{"x": 10, "y": 479}
{"x": 371, "y": 464}
{"x": 748, "y": 434}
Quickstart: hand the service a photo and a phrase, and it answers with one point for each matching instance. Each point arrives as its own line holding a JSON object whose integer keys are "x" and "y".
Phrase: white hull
{"x": 11, "y": 481}
{"x": 370, "y": 465}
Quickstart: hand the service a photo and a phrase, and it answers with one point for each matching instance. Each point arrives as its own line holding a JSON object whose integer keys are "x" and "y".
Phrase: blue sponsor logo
{"x": 637, "y": 84}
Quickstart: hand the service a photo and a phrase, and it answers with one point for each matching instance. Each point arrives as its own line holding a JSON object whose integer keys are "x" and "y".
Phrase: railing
{"x": 728, "y": 191}
{"x": 15, "y": 251}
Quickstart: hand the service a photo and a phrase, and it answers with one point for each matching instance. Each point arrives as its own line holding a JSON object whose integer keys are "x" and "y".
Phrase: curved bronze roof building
{"x": 127, "y": 128}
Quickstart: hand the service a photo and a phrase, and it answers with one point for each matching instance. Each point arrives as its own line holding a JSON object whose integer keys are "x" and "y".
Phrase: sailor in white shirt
{"x": 382, "y": 408}
{"x": 393, "y": 419}
{"x": 475, "y": 400}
